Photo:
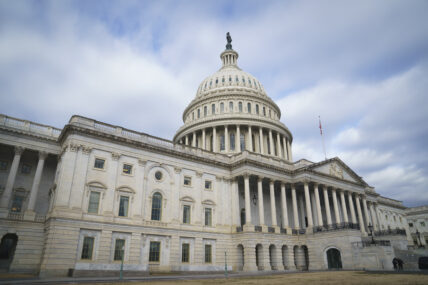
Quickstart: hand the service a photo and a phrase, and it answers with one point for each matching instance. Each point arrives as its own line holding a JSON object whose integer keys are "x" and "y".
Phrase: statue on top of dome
{"x": 229, "y": 41}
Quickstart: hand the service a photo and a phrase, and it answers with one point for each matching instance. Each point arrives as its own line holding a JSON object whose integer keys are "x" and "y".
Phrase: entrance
{"x": 7, "y": 250}
{"x": 333, "y": 259}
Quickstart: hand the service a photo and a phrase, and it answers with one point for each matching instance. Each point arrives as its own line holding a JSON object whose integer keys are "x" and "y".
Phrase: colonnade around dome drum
{"x": 237, "y": 138}
{"x": 267, "y": 205}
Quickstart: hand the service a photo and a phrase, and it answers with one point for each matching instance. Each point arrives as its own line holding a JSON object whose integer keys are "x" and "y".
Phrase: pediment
{"x": 338, "y": 169}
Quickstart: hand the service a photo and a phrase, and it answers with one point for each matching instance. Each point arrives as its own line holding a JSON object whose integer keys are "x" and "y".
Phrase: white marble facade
{"x": 91, "y": 194}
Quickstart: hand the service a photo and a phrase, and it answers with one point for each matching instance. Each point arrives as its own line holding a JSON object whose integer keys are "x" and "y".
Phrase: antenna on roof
{"x": 322, "y": 136}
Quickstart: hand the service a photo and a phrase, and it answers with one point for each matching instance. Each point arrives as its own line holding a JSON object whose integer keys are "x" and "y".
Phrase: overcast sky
{"x": 361, "y": 65}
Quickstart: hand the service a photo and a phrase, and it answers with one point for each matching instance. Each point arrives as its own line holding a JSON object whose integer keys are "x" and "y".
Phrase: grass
{"x": 333, "y": 278}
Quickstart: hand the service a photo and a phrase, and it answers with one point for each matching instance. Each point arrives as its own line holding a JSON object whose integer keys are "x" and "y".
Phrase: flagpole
{"x": 322, "y": 136}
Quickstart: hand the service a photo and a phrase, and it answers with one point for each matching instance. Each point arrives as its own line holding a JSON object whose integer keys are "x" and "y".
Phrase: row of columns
{"x": 360, "y": 201}
{"x": 283, "y": 145}
{"x": 8, "y": 191}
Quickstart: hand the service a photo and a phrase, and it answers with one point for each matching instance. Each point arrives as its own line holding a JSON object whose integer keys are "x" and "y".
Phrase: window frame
{"x": 210, "y": 253}
{"x": 131, "y": 170}
{"x": 95, "y": 162}
{"x": 89, "y": 202}
{"x": 189, "y": 178}
{"x": 183, "y": 246}
{"x": 189, "y": 215}
{"x": 127, "y": 208}
{"x": 121, "y": 250}
{"x": 83, "y": 248}
{"x": 210, "y": 211}
{"x": 210, "y": 188}
{"x": 158, "y": 253}
{"x": 160, "y": 207}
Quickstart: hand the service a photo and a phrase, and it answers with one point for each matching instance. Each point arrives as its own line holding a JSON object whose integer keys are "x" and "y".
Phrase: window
{"x": 232, "y": 141}
{"x": 156, "y": 207}
{"x": 213, "y": 109}
{"x": 119, "y": 249}
{"x": 199, "y": 113}
{"x": 240, "y": 106}
{"x": 193, "y": 115}
{"x": 154, "y": 253}
{"x": 87, "y": 248}
{"x": 242, "y": 141}
{"x": 94, "y": 201}
{"x": 249, "y": 107}
{"x": 186, "y": 214}
{"x": 222, "y": 107}
{"x": 257, "y": 109}
{"x": 99, "y": 163}
{"x": 237, "y": 79}
{"x": 230, "y": 107}
{"x": 25, "y": 169}
{"x": 208, "y": 217}
{"x": 187, "y": 181}
{"x": 127, "y": 169}
{"x": 3, "y": 165}
{"x": 243, "y": 79}
{"x": 208, "y": 254}
{"x": 158, "y": 175}
{"x": 264, "y": 111}
{"x": 123, "y": 206}
{"x": 230, "y": 78}
{"x": 222, "y": 80}
{"x": 411, "y": 225}
{"x": 216, "y": 81}
{"x": 222, "y": 146}
{"x": 17, "y": 202}
{"x": 208, "y": 185}
{"x": 185, "y": 252}
{"x": 205, "y": 111}
{"x": 269, "y": 114}
{"x": 422, "y": 224}
{"x": 268, "y": 145}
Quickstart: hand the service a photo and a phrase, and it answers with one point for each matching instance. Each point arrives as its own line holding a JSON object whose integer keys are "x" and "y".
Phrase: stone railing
{"x": 15, "y": 216}
{"x": 336, "y": 227}
{"x": 29, "y": 126}
{"x": 144, "y": 138}
{"x": 401, "y": 232}
{"x": 298, "y": 231}
{"x": 271, "y": 230}
{"x": 368, "y": 243}
{"x": 258, "y": 229}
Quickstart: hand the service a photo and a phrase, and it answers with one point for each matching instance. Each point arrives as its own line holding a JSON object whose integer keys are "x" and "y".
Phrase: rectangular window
{"x": 87, "y": 248}
{"x": 25, "y": 169}
{"x": 208, "y": 185}
{"x": 3, "y": 165}
{"x": 208, "y": 253}
{"x": 94, "y": 202}
{"x": 186, "y": 214}
{"x": 222, "y": 145}
{"x": 240, "y": 107}
{"x": 154, "y": 254}
{"x": 99, "y": 163}
{"x": 257, "y": 109}
{"x": 127, "y": 169}
{"x": 249, "y": 107}
{"x": 231, "y": 107}
{"x": 221, "y": 107}
{"x": 119, "y": 249}
{"x": 205, "y": 111}
{"x": 123, "y": 206}
{"x": 17, "y": 203}
{"x": 199, "y": 113}
{"x": 208, "y": 217}
{"x": 187, "y": 181}
{"x": 185, "y": 252}
{"x": 232, "y": 141}
{"x": 213, "y": 109}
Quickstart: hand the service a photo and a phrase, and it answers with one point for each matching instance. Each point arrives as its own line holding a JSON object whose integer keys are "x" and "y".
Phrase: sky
{"x": 362, "y": 66}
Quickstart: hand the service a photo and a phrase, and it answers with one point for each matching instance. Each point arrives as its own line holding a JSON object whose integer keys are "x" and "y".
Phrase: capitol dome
{"x": 231, "y": 112}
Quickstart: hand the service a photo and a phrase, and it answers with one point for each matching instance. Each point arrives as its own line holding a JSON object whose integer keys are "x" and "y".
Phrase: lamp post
{"x": 371, "y": 232}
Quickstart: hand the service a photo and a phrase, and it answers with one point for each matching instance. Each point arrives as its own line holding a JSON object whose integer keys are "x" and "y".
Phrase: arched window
{"x": 240, "y": 107}
{"x": 221, "y": 107}
{"x": 257, "y": 109}
{"x": 156, "y": 207}
{"x": 264, "y": 111}
{"x": 249, "y": 107}
{"x": 213, "y": 109}
{"x": 242, "y": 141}
{"x": 222, "y": 147}
{"x": 205, "y": 111}
{"x": 231, "y": 107}
{"x": 232, "y": 141}
{"x": 199, "y": 113}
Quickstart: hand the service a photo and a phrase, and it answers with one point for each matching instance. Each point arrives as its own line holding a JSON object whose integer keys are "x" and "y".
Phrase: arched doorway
{"x": 334, "y": 259}
{"x": 7, "y": 250}
{"x": 272, "y": 257}
{"x": 259, "y": 257}
{"x": 240, "y": 255}
{"x": 285, "y": 256}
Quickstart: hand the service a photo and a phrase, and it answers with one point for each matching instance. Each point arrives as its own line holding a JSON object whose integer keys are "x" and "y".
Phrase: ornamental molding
{"x": 335, "y": 170}
{"x": 115, "y": 155}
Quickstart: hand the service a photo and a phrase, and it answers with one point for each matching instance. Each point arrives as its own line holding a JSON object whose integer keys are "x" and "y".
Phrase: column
{"x": 318, "y": 203}
{"x": 373, "y": 215}
{"x": 378, "y": 215}
{"x": 214, "y": 139}
{"x": 247, "y": 199}
{"x": 36, "y": 182}
{"x": 327, "y": 206}
{"x": 351, "y": 207}
{"x": 293, "y": 197}
{"x": 238, "y": 139}
{"x": 272, "y": 203}
{"x": 4, "y": 203}
{"x": 360, "y": 215}
{"x": 236, "y": 211}
{"x": 226, "y": 139}
{"x": 261, "y": 205}
{"x": 278, "y": 143}
{"x": 336, "y": 207}
{"x": 194, "y": 139}
{"x": 290, "y": 155}
{"x": 261, "y": 140}
{"x": 308, "y": 205}
{"x": 366, "y": 212}
{"x": 344, "y": 210}
{"x": 187, "y": 139}
{"x": 284, "y": 206}
{"x": 203, "y": 139}
{"x": 284, "y": 143}
{"x": 272, "y": 150}
{"x": 250, "y": 139}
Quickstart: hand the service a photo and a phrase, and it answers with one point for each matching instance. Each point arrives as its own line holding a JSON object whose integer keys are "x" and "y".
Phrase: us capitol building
{"x": 225, "y": 190}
